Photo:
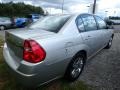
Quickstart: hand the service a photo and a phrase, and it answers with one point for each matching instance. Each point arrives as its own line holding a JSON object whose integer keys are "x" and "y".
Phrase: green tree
{"x": 18, "y": 9}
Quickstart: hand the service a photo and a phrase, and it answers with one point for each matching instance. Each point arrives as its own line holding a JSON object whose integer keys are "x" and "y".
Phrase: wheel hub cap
{"x": 77, "y": 67}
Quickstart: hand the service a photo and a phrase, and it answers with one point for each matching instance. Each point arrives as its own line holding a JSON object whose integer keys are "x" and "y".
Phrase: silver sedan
{"x": 55, "y": 46}
{"x": 5, "y": 23}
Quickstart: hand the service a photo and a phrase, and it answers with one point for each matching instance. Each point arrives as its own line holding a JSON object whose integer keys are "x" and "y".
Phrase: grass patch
{"x": 1, "y": 56}
{"x": 8, "y": 82}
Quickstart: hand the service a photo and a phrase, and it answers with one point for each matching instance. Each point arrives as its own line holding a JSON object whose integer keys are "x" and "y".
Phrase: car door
{"x": 89, "y": 32}
{"x": 102, "y": 29}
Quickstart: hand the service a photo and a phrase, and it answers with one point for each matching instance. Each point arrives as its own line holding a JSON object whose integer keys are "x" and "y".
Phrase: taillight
{"x": 33, "y": 52}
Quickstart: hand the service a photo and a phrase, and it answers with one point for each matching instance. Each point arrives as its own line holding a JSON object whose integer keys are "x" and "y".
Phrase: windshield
{"x": 51, "y": 23}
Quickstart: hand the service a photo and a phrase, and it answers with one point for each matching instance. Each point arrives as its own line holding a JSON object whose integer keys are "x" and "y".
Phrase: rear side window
{"x": 80, "y": 24}
{"x": 101, "y": 23}
{"x": 89, "y": 22}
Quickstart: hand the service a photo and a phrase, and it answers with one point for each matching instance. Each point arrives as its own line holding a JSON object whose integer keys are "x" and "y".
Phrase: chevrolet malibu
{"x": 54, "y": 47}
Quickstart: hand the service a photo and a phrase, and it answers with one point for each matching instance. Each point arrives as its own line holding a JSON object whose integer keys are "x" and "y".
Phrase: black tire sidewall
{"x": 108, "y": 45}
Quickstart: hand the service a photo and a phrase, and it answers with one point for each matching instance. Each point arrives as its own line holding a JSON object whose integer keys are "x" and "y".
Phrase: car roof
{"x": 76, "y": 14}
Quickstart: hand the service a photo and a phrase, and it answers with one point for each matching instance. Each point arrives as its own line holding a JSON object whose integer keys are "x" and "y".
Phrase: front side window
{"x": 89, "y": 22}
{"x": 101, "y": 22}
{"x": 51, "y": 23}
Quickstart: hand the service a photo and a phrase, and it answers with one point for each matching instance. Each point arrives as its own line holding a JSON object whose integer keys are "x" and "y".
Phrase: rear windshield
{"x": 51, "y": 23}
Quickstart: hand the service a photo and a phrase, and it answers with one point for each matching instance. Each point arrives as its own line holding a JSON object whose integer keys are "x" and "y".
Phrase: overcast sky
{"x": 104, "y": 7}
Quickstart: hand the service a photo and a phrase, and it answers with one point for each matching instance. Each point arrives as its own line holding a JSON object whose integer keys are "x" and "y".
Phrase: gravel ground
{"x": 102, "y": 72}
{"x": 116, "y": 28}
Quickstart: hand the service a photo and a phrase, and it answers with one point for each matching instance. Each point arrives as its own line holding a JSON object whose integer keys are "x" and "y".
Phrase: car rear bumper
{"x": 25, "y": 77}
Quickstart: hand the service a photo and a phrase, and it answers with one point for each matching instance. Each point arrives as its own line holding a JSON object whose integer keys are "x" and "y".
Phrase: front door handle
{"x": 88, "y": 37}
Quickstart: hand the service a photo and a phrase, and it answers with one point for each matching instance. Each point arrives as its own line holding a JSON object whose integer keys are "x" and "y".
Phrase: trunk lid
{"x": 15, "y": 39}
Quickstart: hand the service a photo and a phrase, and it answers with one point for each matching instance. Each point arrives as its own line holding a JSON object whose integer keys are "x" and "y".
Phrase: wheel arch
{"x": 84, "y": 52}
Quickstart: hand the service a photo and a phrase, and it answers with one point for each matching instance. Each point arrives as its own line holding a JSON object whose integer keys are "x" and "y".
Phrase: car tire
{"x": 75, "y": 67}
{"x": 109, "y": 43}
{"x": 2, "y": 27}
